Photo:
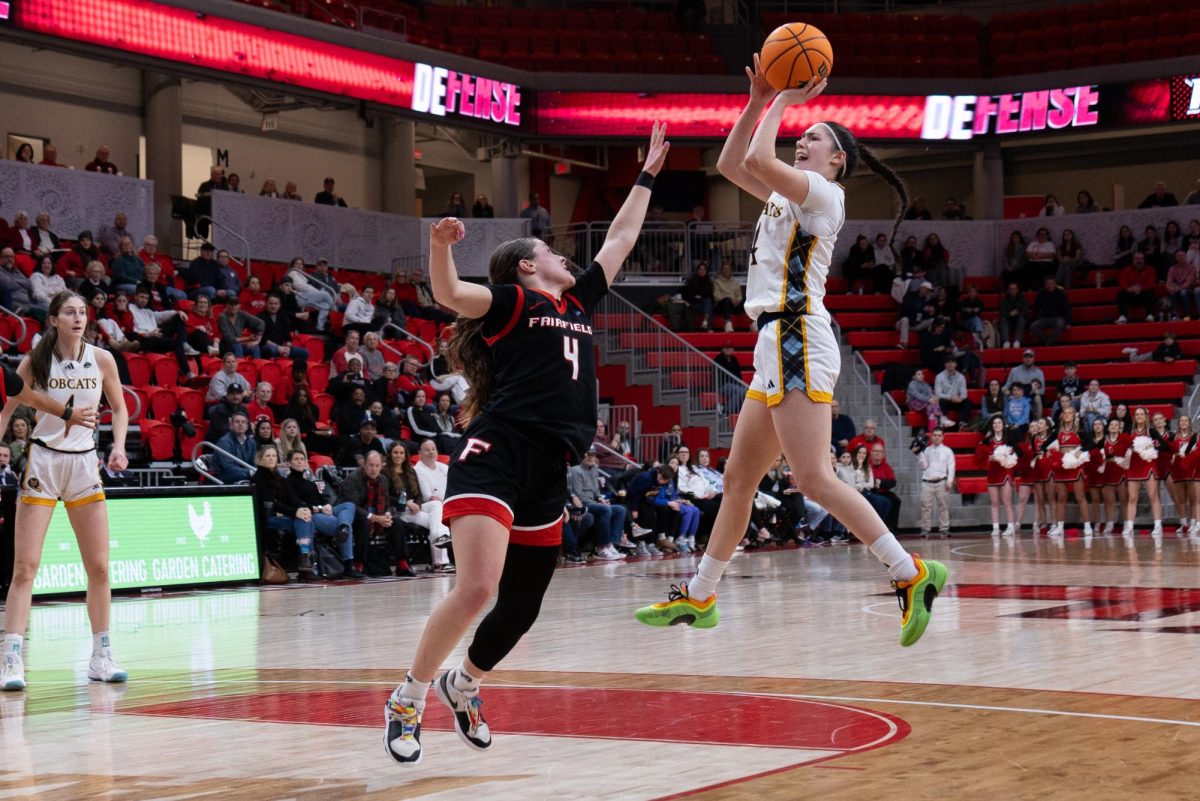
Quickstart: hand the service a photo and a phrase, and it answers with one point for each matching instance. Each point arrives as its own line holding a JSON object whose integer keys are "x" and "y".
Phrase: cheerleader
{"x": 1187, "y": 456}
{"x": 1043, "y": 464}
{"x": 1142, "y": 456}
{"x": 1093, "y": 469}
{"x": 1068, "y": 472}
{"x": 996, "y": 453}
{"x": 1029, "y": 475}
{"x": 1116, "y": 444}
{"x": 1176, "y": 472}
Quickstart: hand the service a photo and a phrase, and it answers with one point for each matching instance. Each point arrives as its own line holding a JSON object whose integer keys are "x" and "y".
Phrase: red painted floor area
{"x": 690, "y": 717}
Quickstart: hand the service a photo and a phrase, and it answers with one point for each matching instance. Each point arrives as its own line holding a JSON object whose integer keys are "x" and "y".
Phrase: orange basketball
{"x": 793, "y": 54}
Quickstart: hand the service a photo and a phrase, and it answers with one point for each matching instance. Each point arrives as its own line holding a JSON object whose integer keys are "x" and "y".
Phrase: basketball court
{"x": 1047, "y": 672}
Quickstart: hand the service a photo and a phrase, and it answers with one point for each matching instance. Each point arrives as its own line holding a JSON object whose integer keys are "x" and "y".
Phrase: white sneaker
{"x": 1087, "y": 529}
{"x": 608, "y": 553}
{"x": 1194, "y": 530}
{"x": 1108, "y": 527}
{"x": 1157, "y": 530}
{"x": 402, "y": 730}
{"x": 652, "y": 549}
{"x": 995, "y": 529}
{"x": 1016, "y": 343}
{"x": 12, "y": 672}
{"x": 1127, "y": 529}
{"x": 1130, "y": 351}
{"x": 642, "y": 550}
{"x": 188, "y": 350}
{"x": 104, "y": 667}
{"x": 1149, "y": 318}
{"x": 729, "y": 326}
{"x": 639, "y": 531}
{"x": 1010, "y": 530}
{"x": 468, "y": 713}
{"x": 1007, "y": 345}
{"x": 1122, "y": 319}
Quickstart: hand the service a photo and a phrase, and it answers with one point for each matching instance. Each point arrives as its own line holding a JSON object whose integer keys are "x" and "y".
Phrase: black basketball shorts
{"x": 519, "y": 480}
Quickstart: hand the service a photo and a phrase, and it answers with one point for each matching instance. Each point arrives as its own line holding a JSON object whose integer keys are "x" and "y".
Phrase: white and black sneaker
{"x": 468, "y": 713}
{"x": 402, "y": 737}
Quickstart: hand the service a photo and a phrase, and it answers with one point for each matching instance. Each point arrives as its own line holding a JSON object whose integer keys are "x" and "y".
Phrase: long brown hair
{"x": 468, "y": 348}
{"x": 403, "y": 479}
{"x": 857, "y": 152}
{"x": 43, "y": 352}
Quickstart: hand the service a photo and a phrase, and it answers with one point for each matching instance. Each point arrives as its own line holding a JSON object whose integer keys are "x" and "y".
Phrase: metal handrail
{"x": 127, "y": 391}
{"x": 245, "y": 242}
{"x": 407, "y": 335}
{"x": 151, "y": 476}
{"x": 1193, "y": 404}
{"x": 205, "y": 445}
{"x": 5, "y": 341}
{"x": 606, "y": 449}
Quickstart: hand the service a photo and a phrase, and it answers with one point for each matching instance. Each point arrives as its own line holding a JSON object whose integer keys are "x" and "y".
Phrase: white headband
{"x": 837, "y": 144}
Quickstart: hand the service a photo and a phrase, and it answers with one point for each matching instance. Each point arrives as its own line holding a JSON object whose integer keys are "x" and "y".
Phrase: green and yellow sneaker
{"x": 681, "y": 608}
{"x": 916, "y": 598}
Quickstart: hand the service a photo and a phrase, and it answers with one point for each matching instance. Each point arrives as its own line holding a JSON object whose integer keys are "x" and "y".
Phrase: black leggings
{"x": 527, "y": 573}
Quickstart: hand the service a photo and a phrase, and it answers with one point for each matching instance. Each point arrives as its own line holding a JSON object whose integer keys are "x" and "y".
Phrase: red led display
{"x": 711, "y": 115}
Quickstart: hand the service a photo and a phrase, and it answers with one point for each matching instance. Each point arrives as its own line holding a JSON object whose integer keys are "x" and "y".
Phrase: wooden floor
{"x": 1048, "y": 672}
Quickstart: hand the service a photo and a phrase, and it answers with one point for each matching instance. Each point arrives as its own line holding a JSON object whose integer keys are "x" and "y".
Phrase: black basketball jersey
{"x": 545, "y": 373}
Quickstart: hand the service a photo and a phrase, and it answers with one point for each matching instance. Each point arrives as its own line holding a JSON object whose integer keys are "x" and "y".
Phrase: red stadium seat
{"x": 273, "y": 372}
{"x": 191, "y": 401}
{"x": 324, "y": 403}
{"x": 163, "y": 402}
{"x": 166, "y": 369}
{"x": 318, "y": 376}
{"x": 160, "y": 440}
{"x": 318, "y": 460}
{"x": 248, "y": 370}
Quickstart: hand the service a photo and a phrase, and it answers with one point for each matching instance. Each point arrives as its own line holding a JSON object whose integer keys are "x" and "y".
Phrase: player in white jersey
{"x": 796, "y": 358}
{"x": 62, "y": 465}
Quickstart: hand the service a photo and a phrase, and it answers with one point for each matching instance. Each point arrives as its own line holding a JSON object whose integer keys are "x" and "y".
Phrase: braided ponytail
{"x": 856, "y": 152}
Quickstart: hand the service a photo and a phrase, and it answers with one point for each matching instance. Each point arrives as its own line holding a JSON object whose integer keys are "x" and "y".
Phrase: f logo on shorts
{"x": 474, "y": 445}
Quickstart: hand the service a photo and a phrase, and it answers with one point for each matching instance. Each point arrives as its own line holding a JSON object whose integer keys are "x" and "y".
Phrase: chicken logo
{"x": 202, "y": 524}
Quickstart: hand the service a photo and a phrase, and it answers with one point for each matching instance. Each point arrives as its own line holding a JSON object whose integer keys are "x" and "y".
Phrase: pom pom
{"x": 1143, "y": 446}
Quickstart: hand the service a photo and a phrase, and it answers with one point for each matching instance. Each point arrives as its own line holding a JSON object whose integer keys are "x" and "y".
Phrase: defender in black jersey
{"x": 524, "y": 342}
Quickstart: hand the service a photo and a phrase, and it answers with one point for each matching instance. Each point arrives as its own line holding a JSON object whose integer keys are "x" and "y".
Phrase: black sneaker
{"x": 350, "y": 571}
{"x": 343, "y": 534}
{"x": 442, "y": 541}
{"x": 468, "y": 713}
{"x": 402, "y": 735}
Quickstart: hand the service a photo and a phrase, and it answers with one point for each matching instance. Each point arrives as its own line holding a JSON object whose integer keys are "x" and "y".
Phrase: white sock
{"x": 412, "y": 690}
{"x": 13, "y": 642}
{"x": 891, "y": 553}
{"x": 462, "y": 680}
{"x": 100, "y": 642}
{"x": 704, "y": 583}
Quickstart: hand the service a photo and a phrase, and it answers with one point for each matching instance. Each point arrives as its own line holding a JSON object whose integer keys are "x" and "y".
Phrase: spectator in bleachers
{"x": 1070, "y": 258}
{"x": 728, "y": 296}
{"x": 970, "y": 315}
{"x": 17, "y": 440}
{"x": 24, "y": 153}
{"x": 149, "y": 255}
{"x": 411, "y": 379}
{"x": 343, "y": 385}
{"x": 624, "y": 436}
{"x": 1193, "y": 233}
{"x": 1126, "y": 246}
{"x": 342, "y": 356}
{"x": 938, "y": 270}
{"x": 350, "y": 411}
{"x": 1181, "y": 288}
{"x": 950, "y": 389}
{"x": 372, "y": 356}
{"x": 1025, "y": 373}
{"x": 162, "y": 295}
{"x": 937, "y": 482}
{"x": 220, "y": 413}
{"x": 671, "y": 443}
{"x": 918, "y": 210}
{"x": 237, "y": 444}
{"x": 277, "y": 333}
{"x": 1167, "y": 351}
{"x": 328, "y": 196}
{"x": 73, "y": 263}
{"x": 538, "y": 216}
{"x": 684, "y": 518}
{"x": 867, "y": 439}
{"x": 1051, "y": 208}
{"x": 426, "y": 307}
{"x": 1070, "y": 387}
{"x": 203, "y": 273}
{"x": 1051, "y": 312}
{"x": 1172, "y": 241}
{"x": 698, "y": 292}
{"x": 843, "y": 427}
{"x": 936, "y": 344}
{"x": 422, "y": 422}
{"x": 291, "y": 191}
{"x": 335, "y": 521}
{"x": 859, "y": 266}
{"x": 228, "y": 285}
{"x": 1150, "y": 246}
{"x": 355, "y": 448}
{"x": 127, "y": 269}
{"x": 730, "y": 388}
{"x": 482, "y": 209}
{"x": 953, "y": 210}
{"x": 291, "y": 438}
{"x": 884, "y": 486}
{"x": 1136, "y": 282}
{"x": 864, "y": 483}
{"x": 44, "y": 283}
{"x": 216, "y": 181}
{"x": 409, "y": 488}
{"x": 390, "y": 310}
{"x": 318, "y": 437}
{"x": 367, "y": 489}
{"x": 45, "y": 241}
{"x": 263, "y": 433}
{"x": 260, "y": 405}
{"x": 1014, "y": 310}
{"x": 234, "y": 183}
{"x": 1094, "y": 404}
{"x": 993, "y": 400}
{"x": 15, "y": 287}
{"x": 20, "y": 238}
{"x": 1037, "y": 397}
{"x": 586, "y": 492}
{"x": 1018, "y": 409}
{"x": 1042, "y": 256}
{"x": 381, "y": 388}
{"x": 50, "y": 157}
{"x": 282, "y": 509}
{"x": 887, "y": 260}
{"x": 201, "y": 327}
{"x": 447, "y": 424}
{"x": 1159, "y": 198}
{"x": 911, "y": 257}
{"x": 360, "y": 311}
{"x": 240, "y": 332}
{"x": 455, "y": 207}
{"x": 269, "y": 188}
{"x": 109, "y": 236}
{"x": 8, "y": 477}
{"x": 101, "y": 163}
{"x": 444, "y": 377}
{"x": 917, "y": 312}
{"x": 1121, "y": 415}
{"x": 289, "y": 303}
{"x": 252, "y": 297}
{"x": 314, "y": 289}
{"x": 695, "y": 486}
{"x": 919, "y": 398}
{"x": 1085, "y": 203}
{"x": 227, "y": 376}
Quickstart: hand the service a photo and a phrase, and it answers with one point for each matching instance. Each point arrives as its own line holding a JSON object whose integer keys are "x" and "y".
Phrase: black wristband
{"x": 645, "y": 179}
{"x": 66, "y": 415}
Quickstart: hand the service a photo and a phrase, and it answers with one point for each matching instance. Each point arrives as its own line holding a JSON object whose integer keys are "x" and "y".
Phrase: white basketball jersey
{"x": 792, "y": 250}
{"x": 77, "y": 381}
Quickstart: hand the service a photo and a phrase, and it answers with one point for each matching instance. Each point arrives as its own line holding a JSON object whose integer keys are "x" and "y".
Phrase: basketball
{"x": 794, "y": 53}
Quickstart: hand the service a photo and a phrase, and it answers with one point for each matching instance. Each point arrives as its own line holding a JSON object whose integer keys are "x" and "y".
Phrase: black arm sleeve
{"x": 13, "y": 383}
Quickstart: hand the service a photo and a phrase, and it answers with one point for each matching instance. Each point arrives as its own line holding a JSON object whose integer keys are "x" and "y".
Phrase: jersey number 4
{"x": 571, "y": 354}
